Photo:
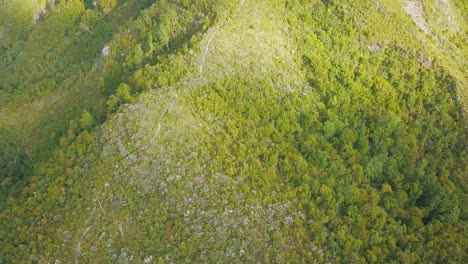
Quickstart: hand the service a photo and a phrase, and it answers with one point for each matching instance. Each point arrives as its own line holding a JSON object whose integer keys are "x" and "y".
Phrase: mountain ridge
{"x": 241, "y": 131}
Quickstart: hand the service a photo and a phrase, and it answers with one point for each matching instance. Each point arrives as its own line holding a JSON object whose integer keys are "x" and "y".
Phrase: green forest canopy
{"x": 233, "y": 131}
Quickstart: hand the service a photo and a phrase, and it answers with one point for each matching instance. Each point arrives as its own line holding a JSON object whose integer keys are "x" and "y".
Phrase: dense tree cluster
{"x": 356, "y": 155}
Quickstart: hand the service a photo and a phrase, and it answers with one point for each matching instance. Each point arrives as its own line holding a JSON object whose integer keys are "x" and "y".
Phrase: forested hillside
{"x": 233, "y": 131}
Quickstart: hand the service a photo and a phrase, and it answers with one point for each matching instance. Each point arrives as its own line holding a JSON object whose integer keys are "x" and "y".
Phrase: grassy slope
{"x": 16, "y": 19}
{"x": 55, "y": 73}
{"x": 154, "y": 182}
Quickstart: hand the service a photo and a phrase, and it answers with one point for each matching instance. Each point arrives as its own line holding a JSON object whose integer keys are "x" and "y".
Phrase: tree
{"x": 106, "y": 5}
{"x": 163, "y": 36}
{"x": 166, "y": 21}
{"x": 87, "y": 121}
{"x": 122, "y": 95}
{"x": 14, "y": 164}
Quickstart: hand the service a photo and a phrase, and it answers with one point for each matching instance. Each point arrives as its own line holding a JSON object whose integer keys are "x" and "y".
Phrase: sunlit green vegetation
{"x": 233, "y": 131}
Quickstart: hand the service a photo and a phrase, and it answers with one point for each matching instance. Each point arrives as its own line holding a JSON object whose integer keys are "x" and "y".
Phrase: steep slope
{"x": 257, "y": 131}
{"x": 168, "y": 150}
{"x": 48, "y": 77}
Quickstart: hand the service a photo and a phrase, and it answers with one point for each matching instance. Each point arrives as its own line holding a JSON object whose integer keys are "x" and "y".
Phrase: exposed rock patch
{"x": 374, "y": 47}
{"x": 41, "y": 13}
{"x": 415, "y": 9}
{"x": 106, "y": 51}
{"x": 425, "y": 61}
{"x": 448, "y": 17}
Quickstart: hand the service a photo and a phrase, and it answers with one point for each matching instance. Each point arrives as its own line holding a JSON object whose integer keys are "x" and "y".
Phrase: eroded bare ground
{"x": 415, "y": 9}
{"x": 449, "y": 19}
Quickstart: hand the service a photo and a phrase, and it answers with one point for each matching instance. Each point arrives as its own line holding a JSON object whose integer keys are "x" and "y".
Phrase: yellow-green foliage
{"x": 236, "y": 132}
